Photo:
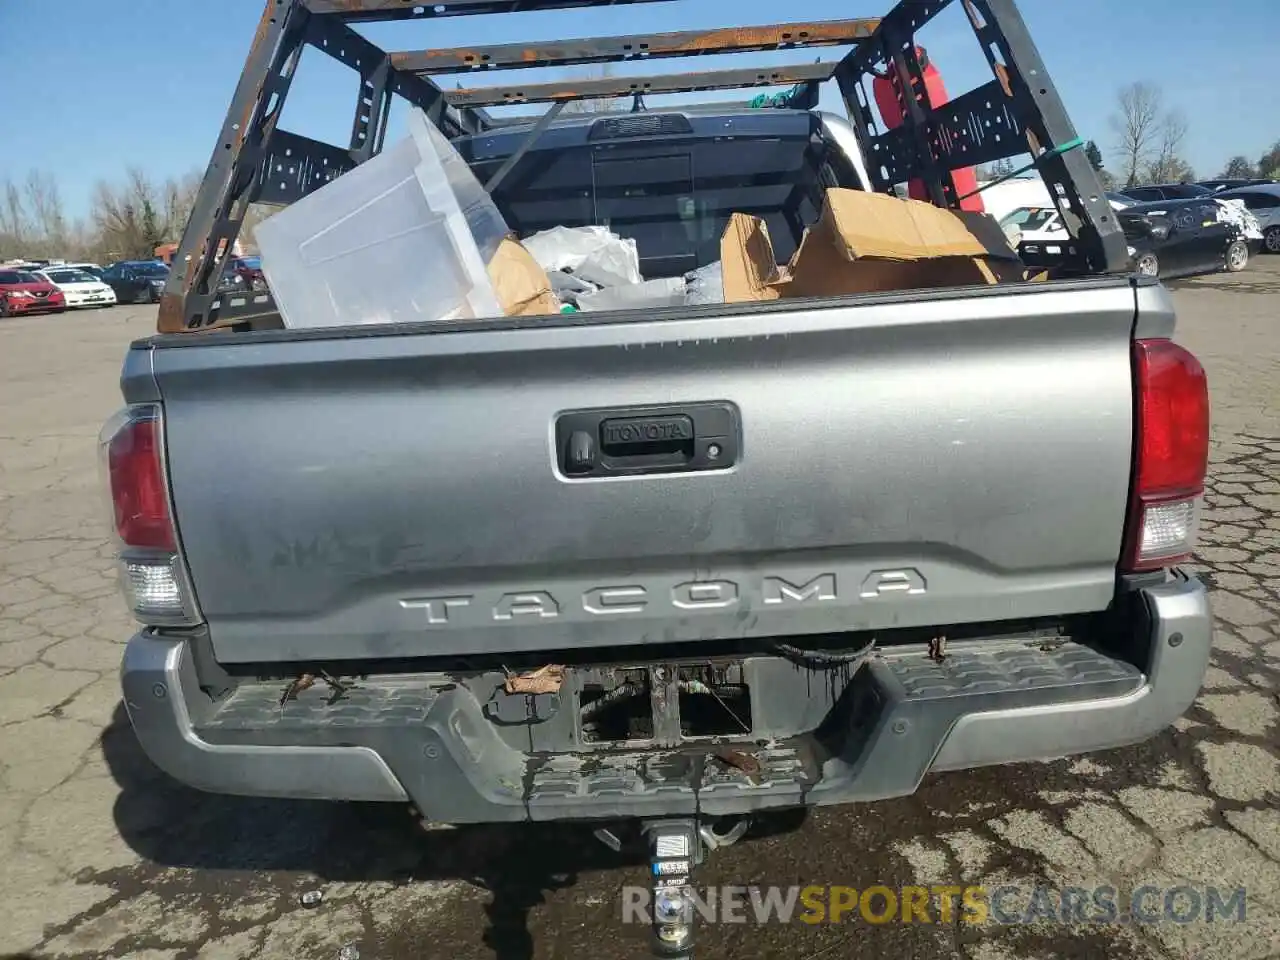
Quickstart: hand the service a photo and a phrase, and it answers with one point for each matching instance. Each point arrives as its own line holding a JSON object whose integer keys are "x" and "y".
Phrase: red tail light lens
{"x": 153, "y": 574}
{"x": 1172, "y": 449}
{"x": 1173, "y": 419}
{"x": 138, "y": 492}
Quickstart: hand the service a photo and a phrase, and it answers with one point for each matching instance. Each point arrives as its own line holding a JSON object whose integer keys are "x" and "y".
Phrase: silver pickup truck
{"x": 675, "y": 566}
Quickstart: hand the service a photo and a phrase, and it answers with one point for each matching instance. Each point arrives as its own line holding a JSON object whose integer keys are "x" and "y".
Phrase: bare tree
{"x": 179, "y": 198}
{"x": 1137, "y": 126}
{"x": 45, "y": 203}
{"x": 135, "y": 216}
{"x": 15, "y": 227}
{"x": 128, "y": 216}
{"x": 1168, "y": 165}
{"x": 993, "y": 171}
{"x": 33, "y": 221}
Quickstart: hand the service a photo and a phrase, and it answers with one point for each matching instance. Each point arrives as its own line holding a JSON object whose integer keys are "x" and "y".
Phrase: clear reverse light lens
{"x": 151, "y": 589}
{"x": 1168, "y": 529}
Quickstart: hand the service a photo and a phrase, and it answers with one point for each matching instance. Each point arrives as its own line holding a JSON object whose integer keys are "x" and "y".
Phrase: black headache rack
{"x": 1017, "y": 112}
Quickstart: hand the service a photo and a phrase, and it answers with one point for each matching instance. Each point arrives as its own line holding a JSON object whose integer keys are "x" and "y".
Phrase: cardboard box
{"x": 865, "y": 243}
{"x": 749, "y": 267}
{"x": 522, "y": 286}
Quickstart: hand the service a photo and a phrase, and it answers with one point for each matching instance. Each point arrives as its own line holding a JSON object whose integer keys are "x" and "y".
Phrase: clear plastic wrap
{"x": 706, "y": 284}
{"x": 592, "y": 253}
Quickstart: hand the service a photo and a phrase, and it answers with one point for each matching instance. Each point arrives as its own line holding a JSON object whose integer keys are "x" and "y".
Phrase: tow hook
{"x": 715, "y": 839}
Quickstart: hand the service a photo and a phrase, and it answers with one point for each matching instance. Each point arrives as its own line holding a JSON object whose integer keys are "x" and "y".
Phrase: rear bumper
{"x": 17, "y": 307}
{"x": 87, "y": 300}
{"x": 438, "y": 748}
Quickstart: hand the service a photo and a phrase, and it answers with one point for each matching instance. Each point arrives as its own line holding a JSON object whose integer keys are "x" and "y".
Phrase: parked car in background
{"x": 23, "y": 292}
{"x": 1167, "y": 191}
{"x": 1230, "y": 183}
{"x": 249, "y": 269}
{"x": 1263, "y": 201}
{"x": 90, "y": 268}
{"x": 79, "y": 287}
{"x": 1033, "y": 223}
{"x": 142, "y": 281}
{"x": 137, "y": 281}
{"x": 232, "y": 281}
{"x": 1184, "y": 238}
{"x": 1044, "y": 223}
{"x": 1001, "y": 199}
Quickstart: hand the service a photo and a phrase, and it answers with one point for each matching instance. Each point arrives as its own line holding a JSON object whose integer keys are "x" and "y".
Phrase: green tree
{"x": 1269, "y": 162}
{"x": 1239, "y": 167}
{"x": 1094, "y": 154}
{"x": 151, "y": 233}
{"x": 1168, "y": 165}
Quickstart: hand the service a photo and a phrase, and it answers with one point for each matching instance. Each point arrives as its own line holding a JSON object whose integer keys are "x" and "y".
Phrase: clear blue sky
{"x": 114, "y": 83}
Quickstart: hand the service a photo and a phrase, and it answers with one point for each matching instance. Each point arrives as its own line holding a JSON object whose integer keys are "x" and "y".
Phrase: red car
{"x": 249, "y": 269}
{"x": 22, "y": 292}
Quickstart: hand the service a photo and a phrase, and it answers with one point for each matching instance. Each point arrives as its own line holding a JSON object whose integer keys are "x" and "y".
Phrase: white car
{"x": 1263, "y": 201}
{"x": 1043, "y": 223}
{"x": 1034, "y": 224}
{"x": 92, "y": 268}
{"x": 80, "y": 288}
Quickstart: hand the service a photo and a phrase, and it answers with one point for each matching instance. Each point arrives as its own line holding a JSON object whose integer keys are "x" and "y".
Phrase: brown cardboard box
{"x": 522, "y": 286}
{"x": 746, "y": 257}
{"x": 868, "y": 242}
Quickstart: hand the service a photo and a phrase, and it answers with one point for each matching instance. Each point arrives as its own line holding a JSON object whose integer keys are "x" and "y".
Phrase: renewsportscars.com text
{"x": 939, "y": 903}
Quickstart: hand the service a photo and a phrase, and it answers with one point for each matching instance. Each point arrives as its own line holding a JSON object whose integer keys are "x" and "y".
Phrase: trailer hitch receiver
{"x": 675, "y": 848}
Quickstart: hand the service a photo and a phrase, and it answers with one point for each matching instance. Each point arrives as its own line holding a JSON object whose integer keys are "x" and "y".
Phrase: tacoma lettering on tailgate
{"x": 634, "y": 599}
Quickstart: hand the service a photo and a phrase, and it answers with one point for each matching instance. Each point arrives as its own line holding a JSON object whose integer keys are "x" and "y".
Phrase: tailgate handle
{"x": 653, "y": 438}
{"x": 595, "y": 443}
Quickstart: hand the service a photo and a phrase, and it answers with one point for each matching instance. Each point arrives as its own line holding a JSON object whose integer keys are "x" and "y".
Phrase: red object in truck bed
{"x": 886, "y": 93}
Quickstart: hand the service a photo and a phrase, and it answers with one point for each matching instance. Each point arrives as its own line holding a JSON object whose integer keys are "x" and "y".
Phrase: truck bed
{"x": 938, "y": 458}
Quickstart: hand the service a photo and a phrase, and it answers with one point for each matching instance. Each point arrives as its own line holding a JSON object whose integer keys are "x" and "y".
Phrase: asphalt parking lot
{"x": 103, "y": 856}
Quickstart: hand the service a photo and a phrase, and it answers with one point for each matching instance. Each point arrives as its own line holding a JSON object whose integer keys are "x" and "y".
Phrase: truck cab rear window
{"x": 674, "y": 200}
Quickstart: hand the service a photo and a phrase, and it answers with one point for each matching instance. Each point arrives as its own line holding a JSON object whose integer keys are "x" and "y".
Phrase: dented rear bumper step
{"x": 900, "y": 716}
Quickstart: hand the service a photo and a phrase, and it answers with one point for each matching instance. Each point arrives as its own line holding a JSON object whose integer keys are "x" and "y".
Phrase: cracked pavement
{"x": 106, "y": 857}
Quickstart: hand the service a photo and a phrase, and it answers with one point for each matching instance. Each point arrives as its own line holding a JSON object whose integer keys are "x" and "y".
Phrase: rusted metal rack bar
{"x": 366, "y": 11}
{"x": 638, "y": 46}
{"x": 255, "y": 160}
{"x": 628, "y": 86}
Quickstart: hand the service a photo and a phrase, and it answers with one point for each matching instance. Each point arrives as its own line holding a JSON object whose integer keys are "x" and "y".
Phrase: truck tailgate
{"x": 958, "y": 456}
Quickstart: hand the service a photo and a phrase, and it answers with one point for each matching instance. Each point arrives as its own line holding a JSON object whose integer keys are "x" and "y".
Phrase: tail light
{"x": 153, "y": 575}
{"x": 1171, "y": 455}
